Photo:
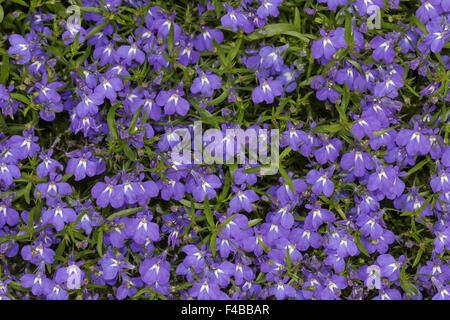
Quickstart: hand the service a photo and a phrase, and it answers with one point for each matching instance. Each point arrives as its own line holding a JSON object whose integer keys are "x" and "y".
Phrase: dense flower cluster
{"x": 93, "y": 206}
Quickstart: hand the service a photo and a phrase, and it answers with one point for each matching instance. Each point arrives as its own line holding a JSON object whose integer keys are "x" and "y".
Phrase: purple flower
{"x": 108, "y": 88}
{"x": 414, "y": 140}
{"x": 108, "y": 192}
{"x": 320, "y": 181}
{"x": 242, "y": 200}
{"x": 173, "y": 102}
{"x": 281, "y": 289}
{"x": 235, "y": 19}
{"x": 430, "y": 9}
{"x": 383, "y": 49}
{"x": 206, "y": 83}
{"x": 131, "y": 52}
{"x": 38, "y": 283}
{"x": 390, "y": 268}
{"x": 24, "y": 146}
{"x": 324, "y": 89}
{"x": 267, "y": 90}
{"x": 360, "y": 161}
{"x": 329, "y": 44}
{"x": 59, "y": 215}
{"x": 332, "y": 4}
{"x": 204, "y": 40}
{"x": 47, "y": 165}
{"x": 155, "y": 270}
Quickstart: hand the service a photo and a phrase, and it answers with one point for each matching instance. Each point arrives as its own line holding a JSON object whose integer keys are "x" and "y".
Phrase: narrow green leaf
{"x": 416, "y": 168}
{"x": 223, "y": 224}
{"x": 27, "y": 193}
{"x": 208, "y": 213}
{"x": 100, "y": 243}
{"x": 124, "y": 213}
{"x": 170, "y": 40}
{"x": 287, "y": 180}
{"x": 110, "y": 119}
{"x": 360, "y": 245}
{"x": 96, "y": 29}
{"x": 212, "y": 243}
{"x": 4, "y": 72}
{"x": 418, "y": 256}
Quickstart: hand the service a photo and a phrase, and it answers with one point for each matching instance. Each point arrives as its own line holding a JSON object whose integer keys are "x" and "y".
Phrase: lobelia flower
{"x": 235, "y": 19}
{"x": 330, "y": 43}
{"x": 108, "y": 87}
{"x": 21, "y": 47}
{"x": 387, "y": 293}
{"x": 364, "y": 5}
{"x": 365, "y": 126}
{"x": 202, "y": 185}
{"x": 305, "y": 238}
{"x": 281, "y": 289}
{"x": 82, "y": 163}
{"x": 414, "y": 140}
{"x": 173, "y": 102}
{"x": 271, "y": 58}
{"x": 171, "y": 188}
{"x": 71, "y": 275}
{"x": 430, "y": 9}
{"x": 153, "y": 109}
{"x": 24, "y": 146}
{"x": 130, "y": 53}
{"x": 325, "y": 89}
{"x": 442, "y": 240}
{"x": 140, "y": 228}
{"x": 438, "y": 34}
{"x": 90, "y": 218}
{"x": 59, "y": 215}
{"x": 112, "y": 265}
{"x": 74, "y": 30}
{"x": 54, "y": 188}
{"x": 360, "y": 161}
{"x": 37, "y": 253}
{"x": 206, "y": 83}
{"x": 129, "y": 287}
{"x": 8, "y": 215}
{"x": 287, "y": 78}
{"x": 285, "y": 193}
{"x": 320, "y": 181}
{"x": 443, "y": 291}
{"x": 187, "y": 55}
{"x": 329, "y": 151}
{"x": 108, "y": 193}
{"x": 88, "y": 106}
{"x": 105, "y": 53}
{"x": 317, "y": 216}
{"x": 242, "y": 200}
{"x": 7, "y": 104}
{"x": 57, "y": 293}
{"x": 38, "y": 282}
{"x": 390, "y": 268}
{"x": 204, "y": 40}
{"x": 267, "y": 90}
{"x": 331, "y": 286}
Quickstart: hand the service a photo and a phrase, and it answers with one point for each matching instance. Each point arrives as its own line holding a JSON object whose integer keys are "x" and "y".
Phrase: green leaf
{"x": 27, "y": 193}
{"x": 96, "y": 29}
{"x": 208, "y": 213}
{"x": 124, "y": 213}
{"x": 23, "y": 3}
{"x": 360, "y": 245}
{"x": 2, "y": 14}
{"x": 20, "y": 97}
{"x": 206, "y": 117}
{"x": 327, "y": 128}
{"x": 212, "y": 243}
{"x": 132, "y": 128}
{"x": 100, "y": 243}
{"x": 223, "y": 224}
{"x": 416, "y": 168}
{"x": 253, "y": 222}
{"x": 278, "y": 29}
{"x": 348, "y": 29}
{"x": 110, "y": 119}
{"x": 170, "y": 40}
{"x": 417, "y": 259}
{"x": 297, "y": 21}
{"x": 287, "y": 180}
